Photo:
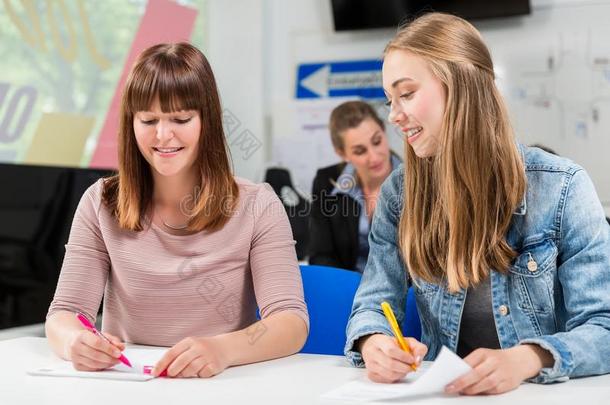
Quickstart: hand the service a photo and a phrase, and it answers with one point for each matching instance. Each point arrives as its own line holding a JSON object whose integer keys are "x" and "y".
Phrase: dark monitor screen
{"x": 365, "y": 14}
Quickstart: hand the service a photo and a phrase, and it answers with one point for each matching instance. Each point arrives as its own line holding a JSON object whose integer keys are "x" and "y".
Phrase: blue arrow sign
{"x": 340, "y": 79}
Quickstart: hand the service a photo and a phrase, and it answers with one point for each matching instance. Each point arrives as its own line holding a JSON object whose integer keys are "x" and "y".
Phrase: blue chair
{"x": 411, "y": 325}
{"x": 329, "y": 294}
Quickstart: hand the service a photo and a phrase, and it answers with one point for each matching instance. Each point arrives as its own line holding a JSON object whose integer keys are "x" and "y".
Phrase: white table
{"x": 298, "y": 379}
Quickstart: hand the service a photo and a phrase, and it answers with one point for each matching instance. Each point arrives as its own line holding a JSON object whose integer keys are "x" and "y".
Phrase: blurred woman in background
{"x": 344, "y": 195}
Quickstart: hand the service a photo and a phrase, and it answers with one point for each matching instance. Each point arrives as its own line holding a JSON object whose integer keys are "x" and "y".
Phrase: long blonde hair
{"x": 458, "y": 205}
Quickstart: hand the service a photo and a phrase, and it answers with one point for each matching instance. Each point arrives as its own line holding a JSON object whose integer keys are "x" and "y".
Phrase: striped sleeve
{"x": 86, "y": 262}
{"x": 275, "y": 270}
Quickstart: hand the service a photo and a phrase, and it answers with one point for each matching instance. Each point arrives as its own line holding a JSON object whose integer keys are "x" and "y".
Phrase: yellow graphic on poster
{"x": 54, "y": 145}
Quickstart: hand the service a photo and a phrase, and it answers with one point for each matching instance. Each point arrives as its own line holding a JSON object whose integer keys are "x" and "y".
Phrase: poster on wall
{"x": 64, "y": 64}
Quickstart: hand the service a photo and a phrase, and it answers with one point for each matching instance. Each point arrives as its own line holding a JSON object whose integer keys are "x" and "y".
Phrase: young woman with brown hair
{"x": 506, "y": 246}
{"x": 182, "y": 250}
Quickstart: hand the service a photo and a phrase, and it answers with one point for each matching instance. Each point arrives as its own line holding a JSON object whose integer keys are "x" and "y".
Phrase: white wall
{"x": 235, "y": 51}
{"x": 302, "y": 32}
{"x": 255, "y": 47}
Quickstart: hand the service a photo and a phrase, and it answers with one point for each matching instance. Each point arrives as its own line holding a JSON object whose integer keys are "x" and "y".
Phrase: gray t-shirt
{"x": 478, "y": 328}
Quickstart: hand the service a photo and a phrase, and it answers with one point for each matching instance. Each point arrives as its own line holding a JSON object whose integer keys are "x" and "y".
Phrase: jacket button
{"x": 531, "y": 264}
{"x": 503, "y": 310}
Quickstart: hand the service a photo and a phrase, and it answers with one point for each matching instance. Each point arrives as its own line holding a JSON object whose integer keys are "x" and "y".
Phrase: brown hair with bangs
{"x": 181, "y": 77}
{"x": 458, "y": 205}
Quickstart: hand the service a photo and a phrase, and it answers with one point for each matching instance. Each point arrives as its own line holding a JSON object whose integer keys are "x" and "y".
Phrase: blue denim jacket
{"x": 561, "y": 304}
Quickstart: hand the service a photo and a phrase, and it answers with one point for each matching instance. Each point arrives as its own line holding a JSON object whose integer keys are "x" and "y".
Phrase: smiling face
{"x": 416, "y": 99}
{"x": 366, "y": 147}
{"x": 168, "y": 141}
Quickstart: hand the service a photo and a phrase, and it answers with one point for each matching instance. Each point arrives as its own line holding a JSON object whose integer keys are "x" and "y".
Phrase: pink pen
{"x": 149, "y": 369}
{"x": 83, "y": 319}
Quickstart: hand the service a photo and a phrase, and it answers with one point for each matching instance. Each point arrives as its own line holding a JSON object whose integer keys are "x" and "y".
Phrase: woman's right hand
{"x": 385, "y": 361}
{"x": 89, "y": 352}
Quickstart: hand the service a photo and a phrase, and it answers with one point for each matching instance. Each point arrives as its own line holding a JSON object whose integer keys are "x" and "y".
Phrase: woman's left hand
{"x": 193, "y": 357}
{"x": 499, "y": 371}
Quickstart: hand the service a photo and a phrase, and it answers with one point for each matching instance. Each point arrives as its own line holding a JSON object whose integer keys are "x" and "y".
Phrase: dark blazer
{"x": 333, "y": 223}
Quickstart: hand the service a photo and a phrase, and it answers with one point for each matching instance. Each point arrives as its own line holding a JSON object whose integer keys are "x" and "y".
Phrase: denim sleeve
{"x": 385, "y": 277}
{"x": 584, "y": 274}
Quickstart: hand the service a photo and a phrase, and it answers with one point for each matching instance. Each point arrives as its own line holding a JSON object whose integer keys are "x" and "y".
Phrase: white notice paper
{"x": 425, "y": 381}
{"x": 138, "y": 357}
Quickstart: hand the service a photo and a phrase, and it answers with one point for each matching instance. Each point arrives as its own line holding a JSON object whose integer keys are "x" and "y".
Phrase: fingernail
{"x": 116, "y": 353}
{"x": 450, "y": 389}
{"x": 418, "y": 360}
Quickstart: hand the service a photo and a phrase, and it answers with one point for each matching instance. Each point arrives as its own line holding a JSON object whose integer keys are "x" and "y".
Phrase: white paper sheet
{"x": 138, "y": 357}
{"x": 425, "y": 381}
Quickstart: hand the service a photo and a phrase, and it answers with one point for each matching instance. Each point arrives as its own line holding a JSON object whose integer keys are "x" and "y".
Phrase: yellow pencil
{"x": 389, "y": 314}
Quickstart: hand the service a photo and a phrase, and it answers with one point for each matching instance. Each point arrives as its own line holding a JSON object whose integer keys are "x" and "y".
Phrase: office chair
{"x": 329, "y": 294}
{"x": 297, "y": 206}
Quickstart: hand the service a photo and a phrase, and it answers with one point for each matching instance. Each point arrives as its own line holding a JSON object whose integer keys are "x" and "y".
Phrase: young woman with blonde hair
{"x": 182, "y": 251}
{"x": 506, "y": 246}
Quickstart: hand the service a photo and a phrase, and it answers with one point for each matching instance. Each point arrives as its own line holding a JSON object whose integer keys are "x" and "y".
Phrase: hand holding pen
{"x": 90, "y": 350}
{"x": 389, "y": 314}
{"x": 389, "y": 358}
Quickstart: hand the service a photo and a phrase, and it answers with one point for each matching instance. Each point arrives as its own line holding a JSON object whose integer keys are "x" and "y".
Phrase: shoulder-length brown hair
{"x": 459, "y": 204}
{"x": 181, "y": 77}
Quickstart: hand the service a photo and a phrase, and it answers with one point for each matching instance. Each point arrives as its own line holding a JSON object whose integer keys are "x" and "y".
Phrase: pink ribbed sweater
{"x": 159, "y": 288}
